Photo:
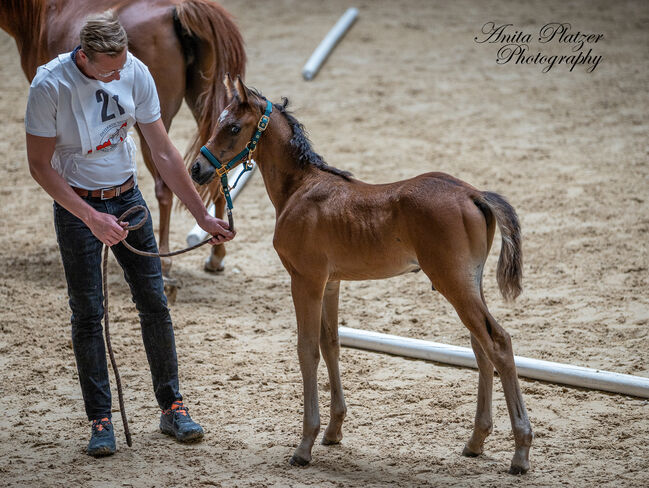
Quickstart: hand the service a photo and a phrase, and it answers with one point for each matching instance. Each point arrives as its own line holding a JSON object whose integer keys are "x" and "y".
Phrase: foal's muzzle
{"x": 202, "y": 172}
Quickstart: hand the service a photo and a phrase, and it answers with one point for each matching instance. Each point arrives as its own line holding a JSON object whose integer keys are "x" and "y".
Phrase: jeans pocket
{"x": 63, "y": 219}
{"x": 133, "y": 197}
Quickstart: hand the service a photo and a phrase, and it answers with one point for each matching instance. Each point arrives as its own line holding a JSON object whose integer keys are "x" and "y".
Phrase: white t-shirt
{"x": 91, "y": 119}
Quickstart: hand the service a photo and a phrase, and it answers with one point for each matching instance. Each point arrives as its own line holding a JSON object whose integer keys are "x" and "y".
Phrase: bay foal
{"x": 331, "y": 227}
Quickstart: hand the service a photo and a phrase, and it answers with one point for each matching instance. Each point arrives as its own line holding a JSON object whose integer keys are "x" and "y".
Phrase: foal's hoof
{"x": 330, "y": 442}
{"x": 469, "y": 453}
{"x": 518, "y": 469}
{"x": 520, "y": 462}
{"x": 298, "y": 461}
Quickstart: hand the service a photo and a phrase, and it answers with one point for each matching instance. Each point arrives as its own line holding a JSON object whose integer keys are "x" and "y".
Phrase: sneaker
{"x": 102, "y": 441}
{"x": 175, "y": 421}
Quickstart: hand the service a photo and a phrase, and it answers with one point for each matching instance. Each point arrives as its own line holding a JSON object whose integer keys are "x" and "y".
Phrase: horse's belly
{"x": 371, "y": 267}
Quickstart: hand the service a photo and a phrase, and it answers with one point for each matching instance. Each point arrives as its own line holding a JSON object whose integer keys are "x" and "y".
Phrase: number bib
{"x": 104, "y": 112}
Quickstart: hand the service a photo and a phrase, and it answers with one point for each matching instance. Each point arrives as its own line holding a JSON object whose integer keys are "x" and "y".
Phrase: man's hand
{"x": 219, "y": 229}
{"x": 169, "y": 164}
{"x": 106, "y": 229}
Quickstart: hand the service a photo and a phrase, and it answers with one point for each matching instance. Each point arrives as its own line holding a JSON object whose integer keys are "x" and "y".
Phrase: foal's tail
{"x": 510, "y": 263}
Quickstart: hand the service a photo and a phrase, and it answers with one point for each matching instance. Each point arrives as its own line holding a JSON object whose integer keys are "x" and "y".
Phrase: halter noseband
{"x": 223, "y": 169}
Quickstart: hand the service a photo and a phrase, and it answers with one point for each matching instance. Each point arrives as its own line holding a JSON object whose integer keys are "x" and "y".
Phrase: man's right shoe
{"x": 102, "y": 442}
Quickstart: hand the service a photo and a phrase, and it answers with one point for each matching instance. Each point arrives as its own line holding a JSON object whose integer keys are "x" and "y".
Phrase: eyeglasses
{"x": 115, "y": 71}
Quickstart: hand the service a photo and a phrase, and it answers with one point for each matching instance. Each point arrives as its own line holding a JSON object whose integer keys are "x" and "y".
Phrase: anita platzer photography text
{"x": 515, "y": 45}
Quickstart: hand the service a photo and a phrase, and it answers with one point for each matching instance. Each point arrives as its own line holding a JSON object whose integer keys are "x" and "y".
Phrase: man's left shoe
{"x": 102, "y": 441}
{"x": 175, "y": 421}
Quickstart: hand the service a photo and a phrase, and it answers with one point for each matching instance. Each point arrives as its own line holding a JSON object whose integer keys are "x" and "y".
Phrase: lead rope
{"x": 118, "y": 381}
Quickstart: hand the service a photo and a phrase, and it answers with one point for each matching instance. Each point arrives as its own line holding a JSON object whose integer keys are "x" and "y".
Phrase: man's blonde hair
{"x": 103, "y": 34}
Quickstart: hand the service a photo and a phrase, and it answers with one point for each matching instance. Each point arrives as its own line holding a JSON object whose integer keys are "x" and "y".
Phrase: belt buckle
{"x": 118, "y": 191}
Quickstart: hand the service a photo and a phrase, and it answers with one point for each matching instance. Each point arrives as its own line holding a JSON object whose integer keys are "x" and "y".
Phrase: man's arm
{"x": 170, "y": 164}
{"x": 39, "y": 154}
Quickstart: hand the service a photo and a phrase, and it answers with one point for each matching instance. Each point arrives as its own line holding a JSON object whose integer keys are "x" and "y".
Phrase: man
{"x": 80, "y": 108}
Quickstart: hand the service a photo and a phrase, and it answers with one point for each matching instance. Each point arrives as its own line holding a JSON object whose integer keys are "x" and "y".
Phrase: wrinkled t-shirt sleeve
{"x": 40, "y": 116}
{"x": 145, "y": 95}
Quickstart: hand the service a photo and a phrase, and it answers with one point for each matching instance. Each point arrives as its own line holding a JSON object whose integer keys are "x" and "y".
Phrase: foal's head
{"x": 233, "y": 131}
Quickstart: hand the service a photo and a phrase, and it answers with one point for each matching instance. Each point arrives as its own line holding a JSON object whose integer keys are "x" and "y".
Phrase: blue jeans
{"x": 81, "y": 253}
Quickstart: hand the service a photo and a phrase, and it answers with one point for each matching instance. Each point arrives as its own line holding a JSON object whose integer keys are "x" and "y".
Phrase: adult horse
{"x": 331, "y": 227}
{"x": 188, "y": 45}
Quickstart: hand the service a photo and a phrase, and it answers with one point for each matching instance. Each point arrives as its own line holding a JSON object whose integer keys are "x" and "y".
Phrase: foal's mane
{"x": 300, "y": 143}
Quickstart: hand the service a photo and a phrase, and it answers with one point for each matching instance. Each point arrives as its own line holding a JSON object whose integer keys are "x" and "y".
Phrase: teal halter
{"x": 223, "y": 169}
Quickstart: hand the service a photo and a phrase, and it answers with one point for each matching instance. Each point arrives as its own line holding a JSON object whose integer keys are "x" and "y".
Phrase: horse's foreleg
{"x": 483, "y": 419}
{"x": 307, "y": 299}
{"x": 165, "y": 199}
{"x": 330, "y": 347}
{"x": 215, "y": 261}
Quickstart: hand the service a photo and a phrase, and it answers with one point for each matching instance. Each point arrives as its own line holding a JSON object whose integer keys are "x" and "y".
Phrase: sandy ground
{"x": 407, "y": 91}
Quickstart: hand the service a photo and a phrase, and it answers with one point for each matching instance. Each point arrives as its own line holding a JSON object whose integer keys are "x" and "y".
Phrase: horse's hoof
{"x": 330, "y": 442}
{"x": 171, "y": 286}
{"x": 298, "y": 461}
{"x": 518, "y": 469}
{"x": 210, "y": 267}
{"x": 520, "y": 462}
{"x": 469, "y": 453}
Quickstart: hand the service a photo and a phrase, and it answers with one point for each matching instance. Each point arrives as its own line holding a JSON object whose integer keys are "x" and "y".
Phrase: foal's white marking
{"x": 223, "y": 115}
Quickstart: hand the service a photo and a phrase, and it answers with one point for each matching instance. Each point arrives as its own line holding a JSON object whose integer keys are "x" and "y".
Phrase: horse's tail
{"x": 510, "y": 262}
{"x": 213, "y": 46}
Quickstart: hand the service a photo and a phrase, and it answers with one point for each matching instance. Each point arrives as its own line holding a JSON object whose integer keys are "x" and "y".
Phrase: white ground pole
{"x": 197, "y": 235}
{"x": 463, "y": 356}
{"x": 328, "y": 43}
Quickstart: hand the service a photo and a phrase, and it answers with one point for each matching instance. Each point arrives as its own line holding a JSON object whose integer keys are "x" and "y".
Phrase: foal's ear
{"x": 242, "y": 91}
{"x": 229, "y": 89}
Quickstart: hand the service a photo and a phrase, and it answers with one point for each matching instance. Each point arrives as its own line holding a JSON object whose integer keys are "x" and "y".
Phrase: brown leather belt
{"x": 106, "y": 193}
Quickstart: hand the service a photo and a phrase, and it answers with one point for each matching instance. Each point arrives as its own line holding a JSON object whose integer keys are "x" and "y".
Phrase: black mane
{"x": 300, "y": 143}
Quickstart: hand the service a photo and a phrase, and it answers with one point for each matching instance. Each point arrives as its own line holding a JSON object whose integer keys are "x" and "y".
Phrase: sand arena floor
{"x": 407, "y": 91}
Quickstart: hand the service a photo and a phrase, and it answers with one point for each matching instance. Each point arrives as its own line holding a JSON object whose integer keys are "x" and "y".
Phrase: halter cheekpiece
{"x": 223, "y": 169}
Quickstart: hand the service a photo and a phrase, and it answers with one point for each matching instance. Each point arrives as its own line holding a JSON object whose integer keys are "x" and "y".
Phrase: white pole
{"x": 530, "y": 368}
{"x": 198, "y": 235}
{"x": 328, "y": 43}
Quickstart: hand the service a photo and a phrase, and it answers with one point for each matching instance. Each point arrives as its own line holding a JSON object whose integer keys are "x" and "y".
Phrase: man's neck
{"x": 81, "y": 64}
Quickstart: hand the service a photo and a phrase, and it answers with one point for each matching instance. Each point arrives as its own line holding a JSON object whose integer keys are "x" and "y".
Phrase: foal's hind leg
{"x": 497, "y": 346}
{"x": 483, "y": 422}
{"x": 330, "y": 347}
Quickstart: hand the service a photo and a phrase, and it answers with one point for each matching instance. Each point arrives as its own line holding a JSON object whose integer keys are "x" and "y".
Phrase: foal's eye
{"x": 234, "y": 129}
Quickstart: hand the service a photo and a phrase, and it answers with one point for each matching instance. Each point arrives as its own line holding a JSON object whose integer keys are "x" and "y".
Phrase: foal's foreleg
{"x": 330, "y": 347}
{"x": 307, "y": 299}
{"x": 483, "y": 419}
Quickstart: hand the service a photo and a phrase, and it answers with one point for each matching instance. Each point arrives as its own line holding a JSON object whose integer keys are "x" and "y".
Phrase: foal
{"x": 331, "y": 227}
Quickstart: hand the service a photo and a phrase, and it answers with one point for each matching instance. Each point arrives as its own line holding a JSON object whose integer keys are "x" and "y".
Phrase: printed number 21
{"x": 103, "y": 97}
